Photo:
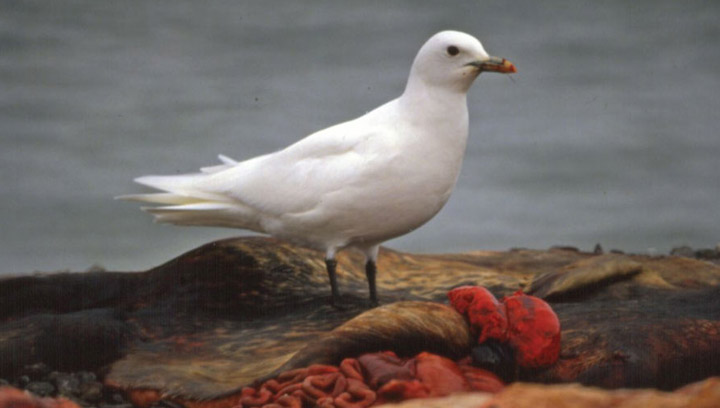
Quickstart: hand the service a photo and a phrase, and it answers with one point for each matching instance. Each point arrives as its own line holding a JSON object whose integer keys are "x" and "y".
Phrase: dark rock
{"x": 41, "y": 388}
{"x": 86, "y": 376}
{"x": 564, "y": 248}
{"x": 684, "y": 250}
{"x": 117, "y": 398}
{"x": 36, "y": 371}
{"x": 91, "y": 391}
{"x": 163, "y": 403}
{"x": 123, "y": 405}
{"x": 707, "y": 254}
{"x": 23, "y": 381}
{"x": 67, "y": 384}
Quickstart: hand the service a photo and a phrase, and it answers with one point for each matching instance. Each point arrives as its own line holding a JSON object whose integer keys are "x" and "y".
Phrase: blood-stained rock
{"x": 221, "y": 316}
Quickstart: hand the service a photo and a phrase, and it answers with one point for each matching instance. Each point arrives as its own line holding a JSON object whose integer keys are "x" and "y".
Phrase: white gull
{"x": 352, "y": 185}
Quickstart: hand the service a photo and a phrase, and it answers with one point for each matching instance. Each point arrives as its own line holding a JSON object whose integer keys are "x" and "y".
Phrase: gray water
{"x": 608, "y": 134}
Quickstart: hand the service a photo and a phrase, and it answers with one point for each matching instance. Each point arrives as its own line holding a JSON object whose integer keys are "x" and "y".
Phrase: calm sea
{"x": 609, "y": 133}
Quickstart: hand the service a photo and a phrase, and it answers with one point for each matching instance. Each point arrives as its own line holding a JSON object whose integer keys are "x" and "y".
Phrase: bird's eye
{"x": 452, "y": 50}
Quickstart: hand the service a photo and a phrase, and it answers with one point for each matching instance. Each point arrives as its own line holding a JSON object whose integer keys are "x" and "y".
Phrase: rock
{"x": 582, "y": 276}
{"x": 117, "y": 398}
{"x": 86, "y": 377}
{"x": 41, "y": 388}
{"x": 121, "y": 405}
{"x": 465, "y": 400}
{"x": 15, "y": 398}
{"x": 707, "y": 254}
{"x": 522, "y": 395}
{"x": 23, "y": 381}
{"x": 91, "y": 391}
{"x": 685, "y": 251}
{"x": 36, "y": 371}
{"x": 67, "y": 384}
{"x": 564, "y": 248}
{"x": 420, "y": 326}
{"x": 224, "y": 314}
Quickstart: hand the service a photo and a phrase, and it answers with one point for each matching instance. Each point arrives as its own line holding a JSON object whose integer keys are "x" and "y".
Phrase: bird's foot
{"x": 346, "y": 303}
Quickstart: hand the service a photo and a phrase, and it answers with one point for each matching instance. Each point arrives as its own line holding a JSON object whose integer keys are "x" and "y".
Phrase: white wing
{"x": 291, "y": 181}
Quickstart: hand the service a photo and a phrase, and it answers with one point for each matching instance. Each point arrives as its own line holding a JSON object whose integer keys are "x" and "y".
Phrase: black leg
{"x": 331, "y": 265}
{"x": 371, "y": 271}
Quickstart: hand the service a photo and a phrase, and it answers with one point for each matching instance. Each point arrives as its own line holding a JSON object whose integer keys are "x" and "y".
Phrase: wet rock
{"x": 86, "y": 376}
{"x": 91, "y": 391}
{"x": 36, "y": 371}
{"x": 41, "y": 388}
{"x": 23, "y": 381}
{"x": 67, "y": 384}
{"x": 122, "y": 405}
{"x": 164, "y": 403}
{"x": 117, "y": 398}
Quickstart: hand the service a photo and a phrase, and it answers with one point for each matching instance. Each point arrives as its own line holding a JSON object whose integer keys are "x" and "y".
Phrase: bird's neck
{"x": 434, "y": 99}
{"x": 434, "y": 104}
{"x": 439, "y": 117}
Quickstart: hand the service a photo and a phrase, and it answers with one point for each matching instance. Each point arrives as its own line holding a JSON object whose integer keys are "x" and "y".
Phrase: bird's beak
{"x": 494, "y": 64}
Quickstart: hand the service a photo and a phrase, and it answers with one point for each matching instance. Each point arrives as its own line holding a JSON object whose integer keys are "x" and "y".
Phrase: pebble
{"x": 36, "y": 371}
{"x": 67, "y": 384}
{"x": 41, "y": 388}
{"x": 82, "y": 387}
{"x": 23, "y": 381}
{"x": 91, "y": 391}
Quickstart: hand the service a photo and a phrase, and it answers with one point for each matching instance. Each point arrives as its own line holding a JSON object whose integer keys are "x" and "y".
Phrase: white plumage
{"x": 354, "y": 184}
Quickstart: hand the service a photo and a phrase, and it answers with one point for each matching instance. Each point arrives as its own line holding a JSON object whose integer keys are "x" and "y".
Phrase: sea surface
{"x": 609, "y": 133}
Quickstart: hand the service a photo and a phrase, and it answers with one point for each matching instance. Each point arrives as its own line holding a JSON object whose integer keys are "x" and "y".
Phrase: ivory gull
{"x": 352, "y": 185}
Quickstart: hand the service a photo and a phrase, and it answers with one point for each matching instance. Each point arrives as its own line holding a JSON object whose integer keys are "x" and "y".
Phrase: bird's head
{"x": 453, "y": 60}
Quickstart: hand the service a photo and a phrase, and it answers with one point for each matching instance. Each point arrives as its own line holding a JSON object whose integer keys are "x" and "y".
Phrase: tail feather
{"x": 160, "y": 198}
{"x": 189, "y": 199}
{"x": 227, "y": 163}
{"x": 205, "y": 214}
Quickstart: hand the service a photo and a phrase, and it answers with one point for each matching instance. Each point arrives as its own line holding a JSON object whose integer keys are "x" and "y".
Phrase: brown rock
{"x": 584, "y": 275}
{"x": 235, "y": 310}
{"x": 705, "y": 394}
{"x": 14, "y": 398}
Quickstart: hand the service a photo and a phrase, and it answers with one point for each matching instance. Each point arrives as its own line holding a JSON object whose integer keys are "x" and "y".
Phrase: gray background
{"x": 608, "y": 133}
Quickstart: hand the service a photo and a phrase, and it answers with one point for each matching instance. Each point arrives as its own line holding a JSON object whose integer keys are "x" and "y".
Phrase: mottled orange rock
{"x": 14, "y": 398}
{"x": 704, "y": 394}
